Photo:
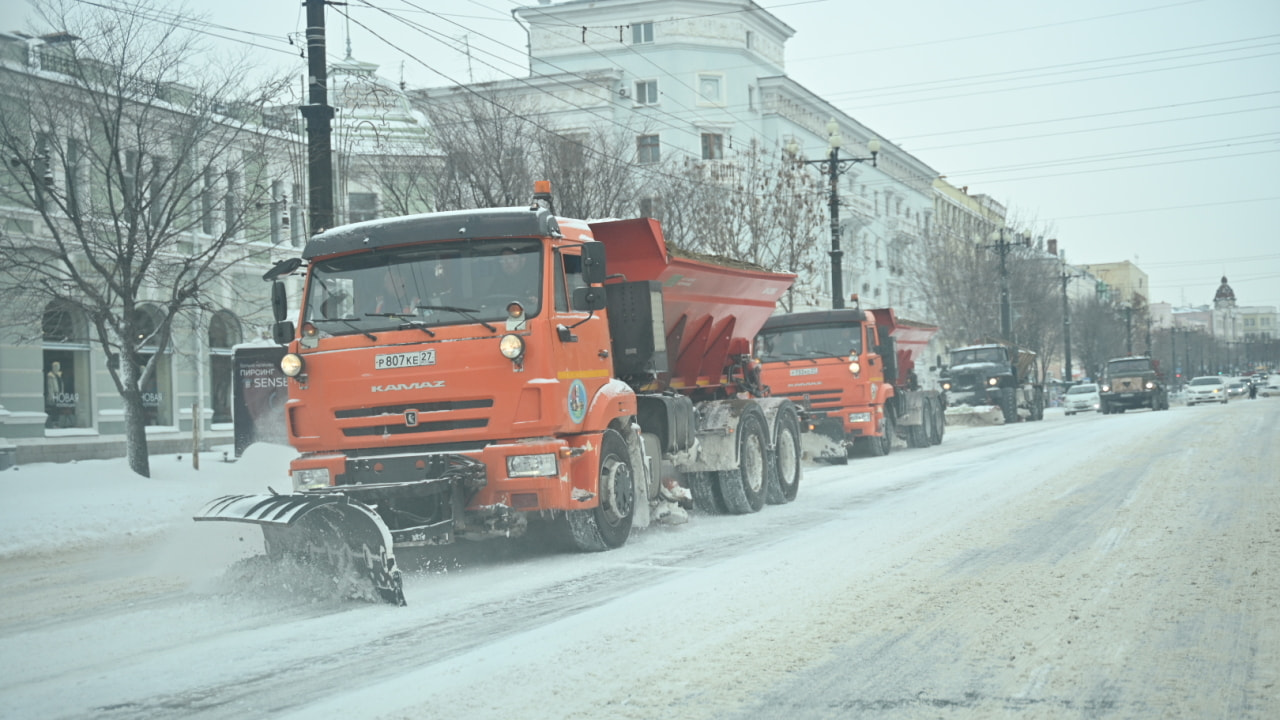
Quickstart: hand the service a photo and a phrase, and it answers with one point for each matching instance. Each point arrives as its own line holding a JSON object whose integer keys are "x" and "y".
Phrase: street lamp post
{"x": 999, "y": 240}
{"x": 835, "y": 166}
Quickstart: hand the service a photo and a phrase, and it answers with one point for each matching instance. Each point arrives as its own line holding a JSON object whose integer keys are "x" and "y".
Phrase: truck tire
{"x": 939, "y": 421}
{"x": 607, "y": 525}
{"x": 743, "y": 488}
{"x": 784, "y": 481}
{"x": 1009, "y": 405}
{"x": 883, "y": 445}
{"x": 706, "y": 492}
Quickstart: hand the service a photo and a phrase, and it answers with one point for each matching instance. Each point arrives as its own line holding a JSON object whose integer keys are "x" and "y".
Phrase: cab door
{"x": 582, "y": 341}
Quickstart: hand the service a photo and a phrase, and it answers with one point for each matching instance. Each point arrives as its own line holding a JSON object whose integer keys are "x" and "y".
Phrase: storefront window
{"x": 224, "y": 333}
{"x": 157, "y": 393}
{"x": 66, "y": 368}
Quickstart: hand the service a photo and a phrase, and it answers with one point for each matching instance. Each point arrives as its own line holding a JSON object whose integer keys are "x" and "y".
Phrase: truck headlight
{"x": 946, "y": 386}
{"x": 993, "y": 381}
{"x": 1150, "y": 385}
{"x": 291, "y": 364}
{"x": 311, "y": 479}
{"x": 855, "y": 367}
{"x": 511, "y": 347}
{"x": 1106, "y": 387}
{"x": 860, "y": 417}
{"x": 543, "y": 465}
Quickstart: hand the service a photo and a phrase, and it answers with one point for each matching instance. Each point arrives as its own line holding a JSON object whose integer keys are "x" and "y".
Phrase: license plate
{"x": 404, "y": 360}
{"x": 1126, "y": 395}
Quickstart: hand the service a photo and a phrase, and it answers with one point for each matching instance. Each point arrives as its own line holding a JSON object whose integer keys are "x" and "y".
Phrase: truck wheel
{"x": 607, "y": 525}
{"x": 883, "y": 445}
{"x": 1009, "y": 405}
{"x": 706, "y": 492}
{"x": 784, "y": 481}
{"x": 939, "y": 422}
{"x": 743, "y": 487}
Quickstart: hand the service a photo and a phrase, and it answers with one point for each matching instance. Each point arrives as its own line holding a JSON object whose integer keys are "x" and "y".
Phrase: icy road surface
{"x": 1123, "y": 566}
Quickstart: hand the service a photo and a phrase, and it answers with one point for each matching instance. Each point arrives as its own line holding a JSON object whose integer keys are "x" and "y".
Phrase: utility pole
{"x": 1000, "y": 241}
{"x": 835, "y": 166}
{"x": 318, "y": 114}
{"x": 1066, "y": 323}
{"x": 1128, "y": 330}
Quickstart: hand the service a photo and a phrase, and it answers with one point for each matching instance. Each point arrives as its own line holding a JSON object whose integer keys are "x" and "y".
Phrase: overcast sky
{"x": 1141, "y": 130}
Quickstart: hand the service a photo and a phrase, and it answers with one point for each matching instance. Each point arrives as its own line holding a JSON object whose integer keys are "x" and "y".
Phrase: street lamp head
{"x": 994, "y": 236}
{"x": 874, "y": 146}
{"x": 792, "y": 148}
{"x": 835, "y": 141}
{"x": 833, "y": 127}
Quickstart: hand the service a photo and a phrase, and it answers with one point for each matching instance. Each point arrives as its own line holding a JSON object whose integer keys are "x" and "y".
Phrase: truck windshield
{"x": 439, "y": 284}
{"x": 809, "y": 342}
{"x": 978, "y": 355}
{"x": 1128, "y": 367}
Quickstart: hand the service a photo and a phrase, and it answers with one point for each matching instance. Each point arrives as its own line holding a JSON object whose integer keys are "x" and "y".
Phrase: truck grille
{"x": 432, "y": 417}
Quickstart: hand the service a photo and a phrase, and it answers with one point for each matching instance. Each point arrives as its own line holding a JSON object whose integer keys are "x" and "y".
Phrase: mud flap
{"x": 332, "y": 531}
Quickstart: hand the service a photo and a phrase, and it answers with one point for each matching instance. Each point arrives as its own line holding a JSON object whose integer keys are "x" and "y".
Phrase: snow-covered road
{"x": 1121, "y": 566}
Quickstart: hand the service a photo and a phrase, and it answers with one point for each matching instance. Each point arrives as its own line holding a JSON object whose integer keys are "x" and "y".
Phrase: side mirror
{"x": 282, "y": 332}
{"x": 593, "y": 264}
{"x": 279, "y": 302}
{"x": 281, "y": 268}
{"x": 589, "y": 299}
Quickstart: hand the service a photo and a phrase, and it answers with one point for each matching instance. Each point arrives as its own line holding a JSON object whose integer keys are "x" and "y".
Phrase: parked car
{"x": 1207, "y": 389}
{"x": 1081, "y": 398}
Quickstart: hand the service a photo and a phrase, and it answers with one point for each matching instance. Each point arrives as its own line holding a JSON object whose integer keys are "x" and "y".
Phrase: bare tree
{"x": 486, "y": 148}
{"x": 146, "y": 180}
{"x": 755, "y": 206}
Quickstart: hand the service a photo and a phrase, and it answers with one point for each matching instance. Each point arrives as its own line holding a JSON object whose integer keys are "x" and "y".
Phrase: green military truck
{"x": 1132, "y": 382}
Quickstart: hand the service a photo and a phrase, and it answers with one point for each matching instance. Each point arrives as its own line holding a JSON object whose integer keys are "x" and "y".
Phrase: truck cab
{"x": 1132, "y": 382}
{"x": 995, "y": 374}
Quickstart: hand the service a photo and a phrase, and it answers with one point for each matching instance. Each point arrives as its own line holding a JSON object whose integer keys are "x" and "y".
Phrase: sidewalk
{"x": 66, "y": 448}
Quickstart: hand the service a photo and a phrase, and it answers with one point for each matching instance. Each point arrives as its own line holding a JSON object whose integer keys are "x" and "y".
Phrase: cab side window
{"x": 568, "y": 278}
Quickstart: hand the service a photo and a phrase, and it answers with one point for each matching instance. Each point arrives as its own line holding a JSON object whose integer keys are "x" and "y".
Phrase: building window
{"x": 647, "y": 150}
{"x": 646, "y": 92}
{"x": 207, "y": 202}
{"x": 157, "y": 393}
{"x": 362, "y": 206}
{"x": 710, "y": 89}
{"x": 751, "y": 40}
{"x": 641, "y": 33}
{"x": 224, "y": 333}
{"x": 651, "y": 207}
{"x": 66, "y": 367}
{"x": 751, "y": 97}
{"x": 231, "y": 204}
{"x": 712, "y": 146}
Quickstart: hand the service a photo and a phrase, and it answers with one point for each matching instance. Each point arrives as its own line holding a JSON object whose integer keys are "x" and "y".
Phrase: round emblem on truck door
{"x": 577, "y": 401}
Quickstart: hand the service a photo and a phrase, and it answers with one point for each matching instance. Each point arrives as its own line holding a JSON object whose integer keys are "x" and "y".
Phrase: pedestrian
{"x": 1253, "y": 390}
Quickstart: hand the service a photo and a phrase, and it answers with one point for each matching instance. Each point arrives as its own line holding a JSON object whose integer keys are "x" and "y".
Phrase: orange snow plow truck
{"x": 854, "y": 372}
{"x": 462, "y": 375}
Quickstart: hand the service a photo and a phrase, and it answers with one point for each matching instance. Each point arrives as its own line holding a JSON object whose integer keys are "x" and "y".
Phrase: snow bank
{"x": 52, "y": 506}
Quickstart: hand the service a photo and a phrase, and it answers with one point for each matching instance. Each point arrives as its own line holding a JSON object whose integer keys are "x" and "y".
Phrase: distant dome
{"x": 1225, "y": 294}
{"x": 373, "y": 113}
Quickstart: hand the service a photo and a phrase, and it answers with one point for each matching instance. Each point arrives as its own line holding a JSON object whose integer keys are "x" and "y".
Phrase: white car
{"x": 1081, "y": 398}
{"x": 1272, "y": 387}
{"x": 1207, "y": 389}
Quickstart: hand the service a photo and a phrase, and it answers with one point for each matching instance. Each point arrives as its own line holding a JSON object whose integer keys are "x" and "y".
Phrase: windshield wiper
{"x": 348, "y": 323}
{"x": 409, "y": 321}
{"x": 464, "y": 312}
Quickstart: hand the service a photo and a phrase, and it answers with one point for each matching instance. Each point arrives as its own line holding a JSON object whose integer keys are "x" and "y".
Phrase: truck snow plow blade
{"x": 332, "y": 531}
{"x": 975, "y": 415}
